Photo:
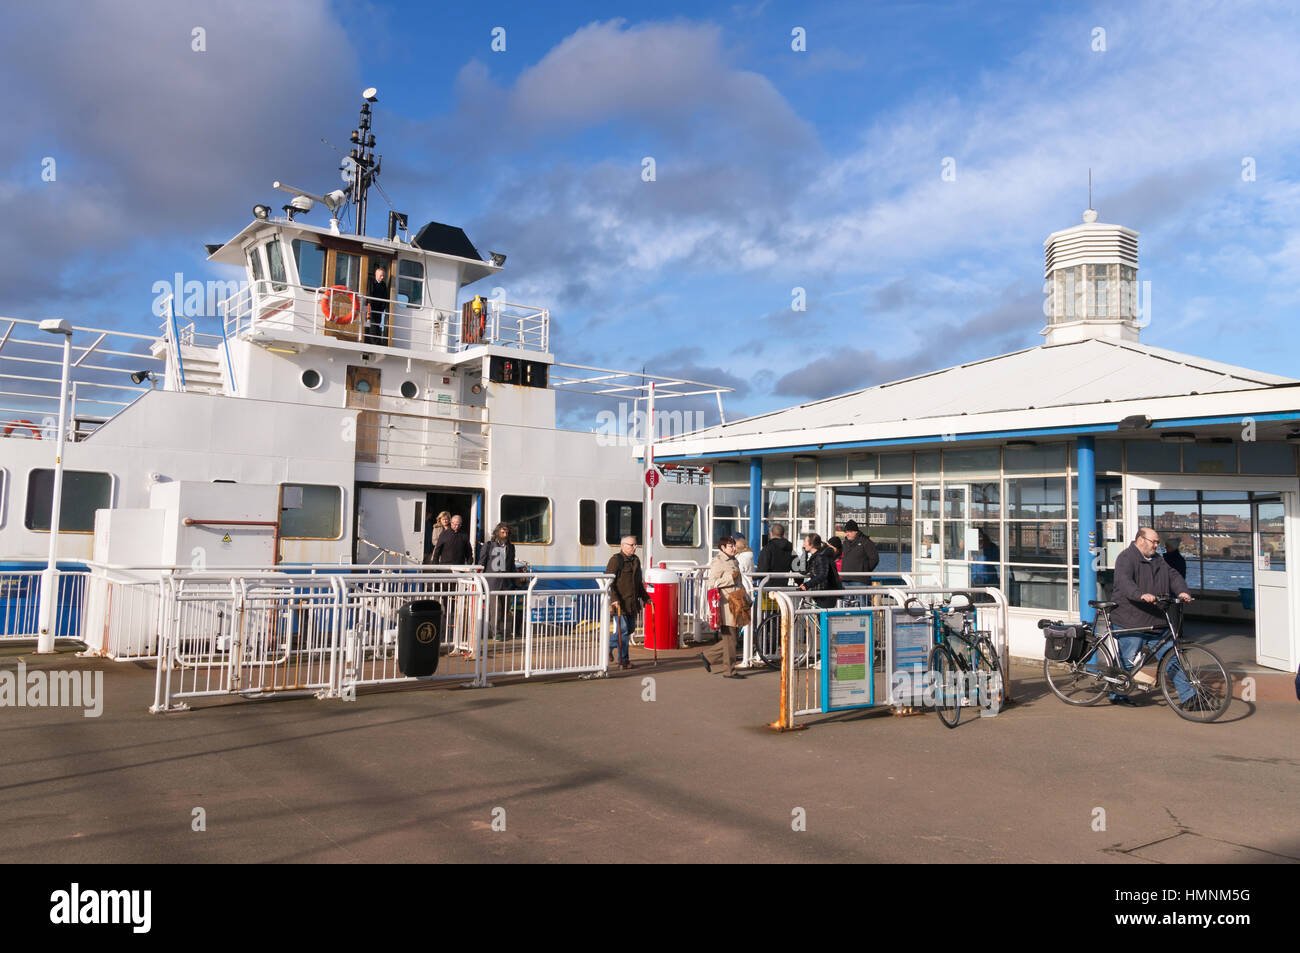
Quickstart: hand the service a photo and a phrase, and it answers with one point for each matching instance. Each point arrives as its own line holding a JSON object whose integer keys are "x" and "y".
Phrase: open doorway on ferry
{"x": 467, "y": 504}
{"x": 1231, "y": 535}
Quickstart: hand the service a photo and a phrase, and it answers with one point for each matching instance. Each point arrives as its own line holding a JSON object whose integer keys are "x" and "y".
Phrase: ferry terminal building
{"x": 1031, "y": 471}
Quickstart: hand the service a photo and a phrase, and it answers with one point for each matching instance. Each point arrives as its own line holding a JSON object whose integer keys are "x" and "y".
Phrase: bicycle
{"x": 951, "y": 669}
{"x": 805, "y": 636}
{"x": 1090, "y": 667}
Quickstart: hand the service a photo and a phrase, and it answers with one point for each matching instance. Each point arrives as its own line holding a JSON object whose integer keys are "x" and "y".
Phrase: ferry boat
{"x": 331, "y": 418}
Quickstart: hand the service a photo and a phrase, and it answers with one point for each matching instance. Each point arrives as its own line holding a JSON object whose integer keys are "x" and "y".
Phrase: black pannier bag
{"x": 1065, "y": 643}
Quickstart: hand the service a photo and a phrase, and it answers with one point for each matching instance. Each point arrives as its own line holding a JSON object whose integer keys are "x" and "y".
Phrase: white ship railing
{"x": 264, "y": 308}
{"x": 20, "y": 592}
{"x": 99, "y": 374}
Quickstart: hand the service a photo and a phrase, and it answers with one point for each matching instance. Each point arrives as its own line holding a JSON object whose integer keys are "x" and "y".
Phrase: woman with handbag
{"x": 733, "y": 608}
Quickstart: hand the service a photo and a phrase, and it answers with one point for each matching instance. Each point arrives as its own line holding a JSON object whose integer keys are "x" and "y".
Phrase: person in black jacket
{"x": 776, "y": 556}
{"x": 453, "y": 548}
{"x": 859, "y": 556}
{"x": 627, "y": 594}
{"x": 1141, "y": 577}
{"x": 821, "y": 570}
{"x": 497, "y": 555}
{"x": 1175, "y": 558}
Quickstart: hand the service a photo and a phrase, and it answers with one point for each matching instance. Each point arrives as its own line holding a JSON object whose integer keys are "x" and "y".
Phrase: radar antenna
{"x": 365, "y": 164}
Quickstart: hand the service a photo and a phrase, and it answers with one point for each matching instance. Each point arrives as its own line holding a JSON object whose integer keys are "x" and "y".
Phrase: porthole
{"x": 409, "y": 390}
{"x": 311, "y": 379}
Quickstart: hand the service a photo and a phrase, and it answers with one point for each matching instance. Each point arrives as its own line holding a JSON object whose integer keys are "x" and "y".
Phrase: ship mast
{"x": 365, "y": 164}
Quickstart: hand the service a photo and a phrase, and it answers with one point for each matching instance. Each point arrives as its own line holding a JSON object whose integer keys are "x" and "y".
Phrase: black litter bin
{"x": 419, "y": 632}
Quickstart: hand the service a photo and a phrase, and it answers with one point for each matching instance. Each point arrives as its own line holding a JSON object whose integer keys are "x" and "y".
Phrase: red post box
{"x": 661, "y": 613}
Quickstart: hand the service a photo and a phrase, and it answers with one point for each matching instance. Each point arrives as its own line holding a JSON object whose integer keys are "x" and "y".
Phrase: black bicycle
{"x": 964, "y": 672}
{"x": 1082, "y": 664}
{"x": 805, "y": 637}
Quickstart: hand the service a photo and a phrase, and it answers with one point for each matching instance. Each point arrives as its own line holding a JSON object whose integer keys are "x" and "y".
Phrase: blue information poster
{"x": 911, "y": 644}
{"x": 847, "y": 647}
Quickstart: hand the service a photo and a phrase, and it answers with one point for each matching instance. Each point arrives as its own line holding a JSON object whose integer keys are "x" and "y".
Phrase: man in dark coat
{"x": 1141, "y": 577}
{"x": 1175, "y": 558}
{"x": 859, "y": 556}
{"x": 777, "y": 555}
{"x": 627, "y": 594}
{"x": 453, "y": 547}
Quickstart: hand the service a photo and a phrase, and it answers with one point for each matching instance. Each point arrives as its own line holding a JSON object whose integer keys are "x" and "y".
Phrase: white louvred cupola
{"x": 1092, "y": 287}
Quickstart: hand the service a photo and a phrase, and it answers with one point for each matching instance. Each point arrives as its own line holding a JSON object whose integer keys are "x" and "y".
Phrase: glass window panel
{"x": 1037, "y": 542}
{"x": 930, "y": 503}
{"x": 1226, "y": 561}
{"x": 347, "y": 270}
{"x": 1038, "y": 588}
{"x": 1108, "y": 455}
{"x": 1225, "y": 517}
{"x": 84, "y": 492}
{"x": 681, "y": 522}
{"x": 807, "y": 504}
{"x": 311, "y": 262}
{"x": 980, "y": 460}
{"x": 255, "y": 262}
{"x": 1036, "y": 498}
{"x": 862, "y": 468}
{"x": 778, "y": 471}
{"x": 275, "y": 262}
{"x": 732, "y": 473}
{"x": 410, "y": 282}
{"x": 1176, "y": 517}
{"x": 319, "y": 517}
{"x": 833, "y": 468}
{"x": 1048, "y": 458}
{"x": 1267, "y": 458}
{"x": 927, "y": 464}
{"x": 623, "y": 518}
{"x": 529, "y": 518}
{"x": 587, "y": 518}
{"x": 776, "y": 504}
{"x": 984, "y": 501}
{"x": 1209, "y": 458}
{"x": 896, "y": 466}
{"x": 850, "y": 504}
{"x": 1151, "y": 456}
{"x": 806, "y": 470}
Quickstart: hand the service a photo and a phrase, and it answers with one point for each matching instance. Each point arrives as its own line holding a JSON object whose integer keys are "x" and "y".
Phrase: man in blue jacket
{"x": 1141, "y": 577}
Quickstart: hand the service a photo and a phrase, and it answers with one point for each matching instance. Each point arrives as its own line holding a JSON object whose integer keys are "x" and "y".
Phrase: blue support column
{"x": 756, "y": 504}
{"x": 1087, "y": 470}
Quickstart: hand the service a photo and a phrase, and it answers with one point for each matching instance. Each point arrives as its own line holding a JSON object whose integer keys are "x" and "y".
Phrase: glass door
{"x": 929, "y": 535}
{"x": 1272, "y": 620}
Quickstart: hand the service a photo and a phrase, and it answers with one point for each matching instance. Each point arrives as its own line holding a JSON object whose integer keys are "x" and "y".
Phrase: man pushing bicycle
{"x": 1142, "y": 577}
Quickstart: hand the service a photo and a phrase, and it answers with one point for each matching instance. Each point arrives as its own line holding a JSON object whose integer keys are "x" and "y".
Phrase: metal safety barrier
{"x": 271, "y": 632}
{"x": 20, "y": 598}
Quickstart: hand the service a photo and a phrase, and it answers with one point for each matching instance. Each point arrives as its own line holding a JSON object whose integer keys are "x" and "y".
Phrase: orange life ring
{"x": 19, "y": 425}
{"x": 330, "y": 313}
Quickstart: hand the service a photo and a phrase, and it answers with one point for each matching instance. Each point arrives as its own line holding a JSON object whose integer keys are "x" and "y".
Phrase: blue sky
{"x": 775, "y": 168}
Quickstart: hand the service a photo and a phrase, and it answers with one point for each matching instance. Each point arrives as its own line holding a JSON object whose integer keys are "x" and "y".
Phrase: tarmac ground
{"x": 663, "y": 763}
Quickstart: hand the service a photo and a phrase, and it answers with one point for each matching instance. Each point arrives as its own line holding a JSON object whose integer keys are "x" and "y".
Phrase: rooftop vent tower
{"x": 1092, "y": 289}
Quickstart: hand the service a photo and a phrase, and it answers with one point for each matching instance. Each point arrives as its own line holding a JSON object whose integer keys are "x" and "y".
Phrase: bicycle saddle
{"x": 1102, "y": 605}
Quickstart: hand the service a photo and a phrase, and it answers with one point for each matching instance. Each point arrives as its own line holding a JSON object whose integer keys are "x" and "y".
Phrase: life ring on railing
{"x": 21, "y": 425}
{"x": 330, "y": 313}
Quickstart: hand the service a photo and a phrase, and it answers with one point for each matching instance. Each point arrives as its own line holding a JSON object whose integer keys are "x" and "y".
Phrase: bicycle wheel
{"x": 988, "y": 674}
{"x": 1211, "y": 685}
{"x": 1074, "y": 682}
{"x": 946, "y": 683}
{"x": 767, "y": 640}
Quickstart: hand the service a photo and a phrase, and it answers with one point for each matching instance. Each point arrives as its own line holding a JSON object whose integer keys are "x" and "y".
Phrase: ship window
{"x": 586, "y": 522}
{"x": 622, "y": 518}
{"x": 255, "y": 263}
{"x": 410, "y": 282}
{"x": 311, "y": 379}
{"x": 310, "y": 511}
{"x": 84, "y": 492}
{"x": 409, "y": 390}
{"x": 311, "y": 263}
{"x": 529, "y": 518}
{"x": 275, "y": 261}
{"x": 347, "y": 271}
{"x": 681, "y": 524}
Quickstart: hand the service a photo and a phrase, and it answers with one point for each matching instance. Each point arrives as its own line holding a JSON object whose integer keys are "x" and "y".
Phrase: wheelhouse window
{"x": 311, "y": 263}
{"x": 347, "y": 271}
{"x": 310, "y": 511}
{"x": 681, "y": 524}
{"x": 255, "y": 263}
{"x": 410, "y": 282}
{"x": 275, "y": 262}
{"x": 622, "y": 518}
{"x": 529, "y": 518}
{"x": 587, "y": 514}
{"x": 84, "y": 492}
